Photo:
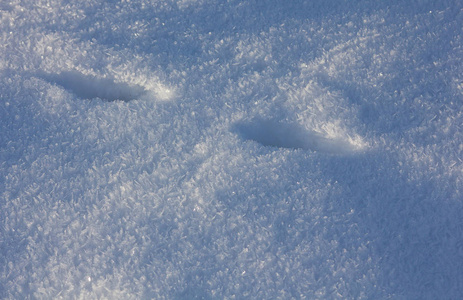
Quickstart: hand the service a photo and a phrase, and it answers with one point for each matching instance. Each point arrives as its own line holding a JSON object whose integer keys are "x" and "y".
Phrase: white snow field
{"x": 209, "y": 149}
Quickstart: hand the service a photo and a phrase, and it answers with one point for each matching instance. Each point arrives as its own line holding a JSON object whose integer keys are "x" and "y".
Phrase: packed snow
{"x": 206, "y": 149}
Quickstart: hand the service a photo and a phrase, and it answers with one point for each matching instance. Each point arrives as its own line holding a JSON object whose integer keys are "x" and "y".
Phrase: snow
{"x": 205, "y": 149}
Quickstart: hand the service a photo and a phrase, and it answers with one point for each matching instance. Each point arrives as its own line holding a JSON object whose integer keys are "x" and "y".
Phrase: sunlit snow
{"x": 205, "y": 149}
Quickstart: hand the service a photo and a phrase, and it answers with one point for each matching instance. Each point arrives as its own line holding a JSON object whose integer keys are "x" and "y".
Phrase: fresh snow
{"x": 206, "y": 149}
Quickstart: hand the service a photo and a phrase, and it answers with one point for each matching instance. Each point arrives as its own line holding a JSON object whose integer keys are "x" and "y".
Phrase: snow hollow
{"x": 205, "y": 149}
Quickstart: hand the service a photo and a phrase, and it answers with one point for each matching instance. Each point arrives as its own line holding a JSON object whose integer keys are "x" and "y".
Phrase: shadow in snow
{"x": 292, "y": 136}
{"x": 90, "y": 87}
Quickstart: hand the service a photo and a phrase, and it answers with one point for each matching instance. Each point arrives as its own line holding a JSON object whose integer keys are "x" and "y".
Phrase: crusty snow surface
{"x": 208, "y": 149}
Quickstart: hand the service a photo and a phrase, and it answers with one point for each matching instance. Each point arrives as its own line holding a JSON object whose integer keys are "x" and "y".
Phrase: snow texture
{"x": 205, "y": 149}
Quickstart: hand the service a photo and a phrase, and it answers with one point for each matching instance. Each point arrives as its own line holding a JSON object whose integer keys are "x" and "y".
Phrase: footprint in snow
{"x": 90, "y": 87}
{"x": 282, "y": 135}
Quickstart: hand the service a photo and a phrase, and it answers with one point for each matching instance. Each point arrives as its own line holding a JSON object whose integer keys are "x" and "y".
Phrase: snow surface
{"x": 206, "y": 149}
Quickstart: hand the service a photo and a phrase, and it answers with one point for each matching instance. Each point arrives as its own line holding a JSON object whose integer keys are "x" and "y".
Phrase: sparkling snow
{"x": 205, "y": 149}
